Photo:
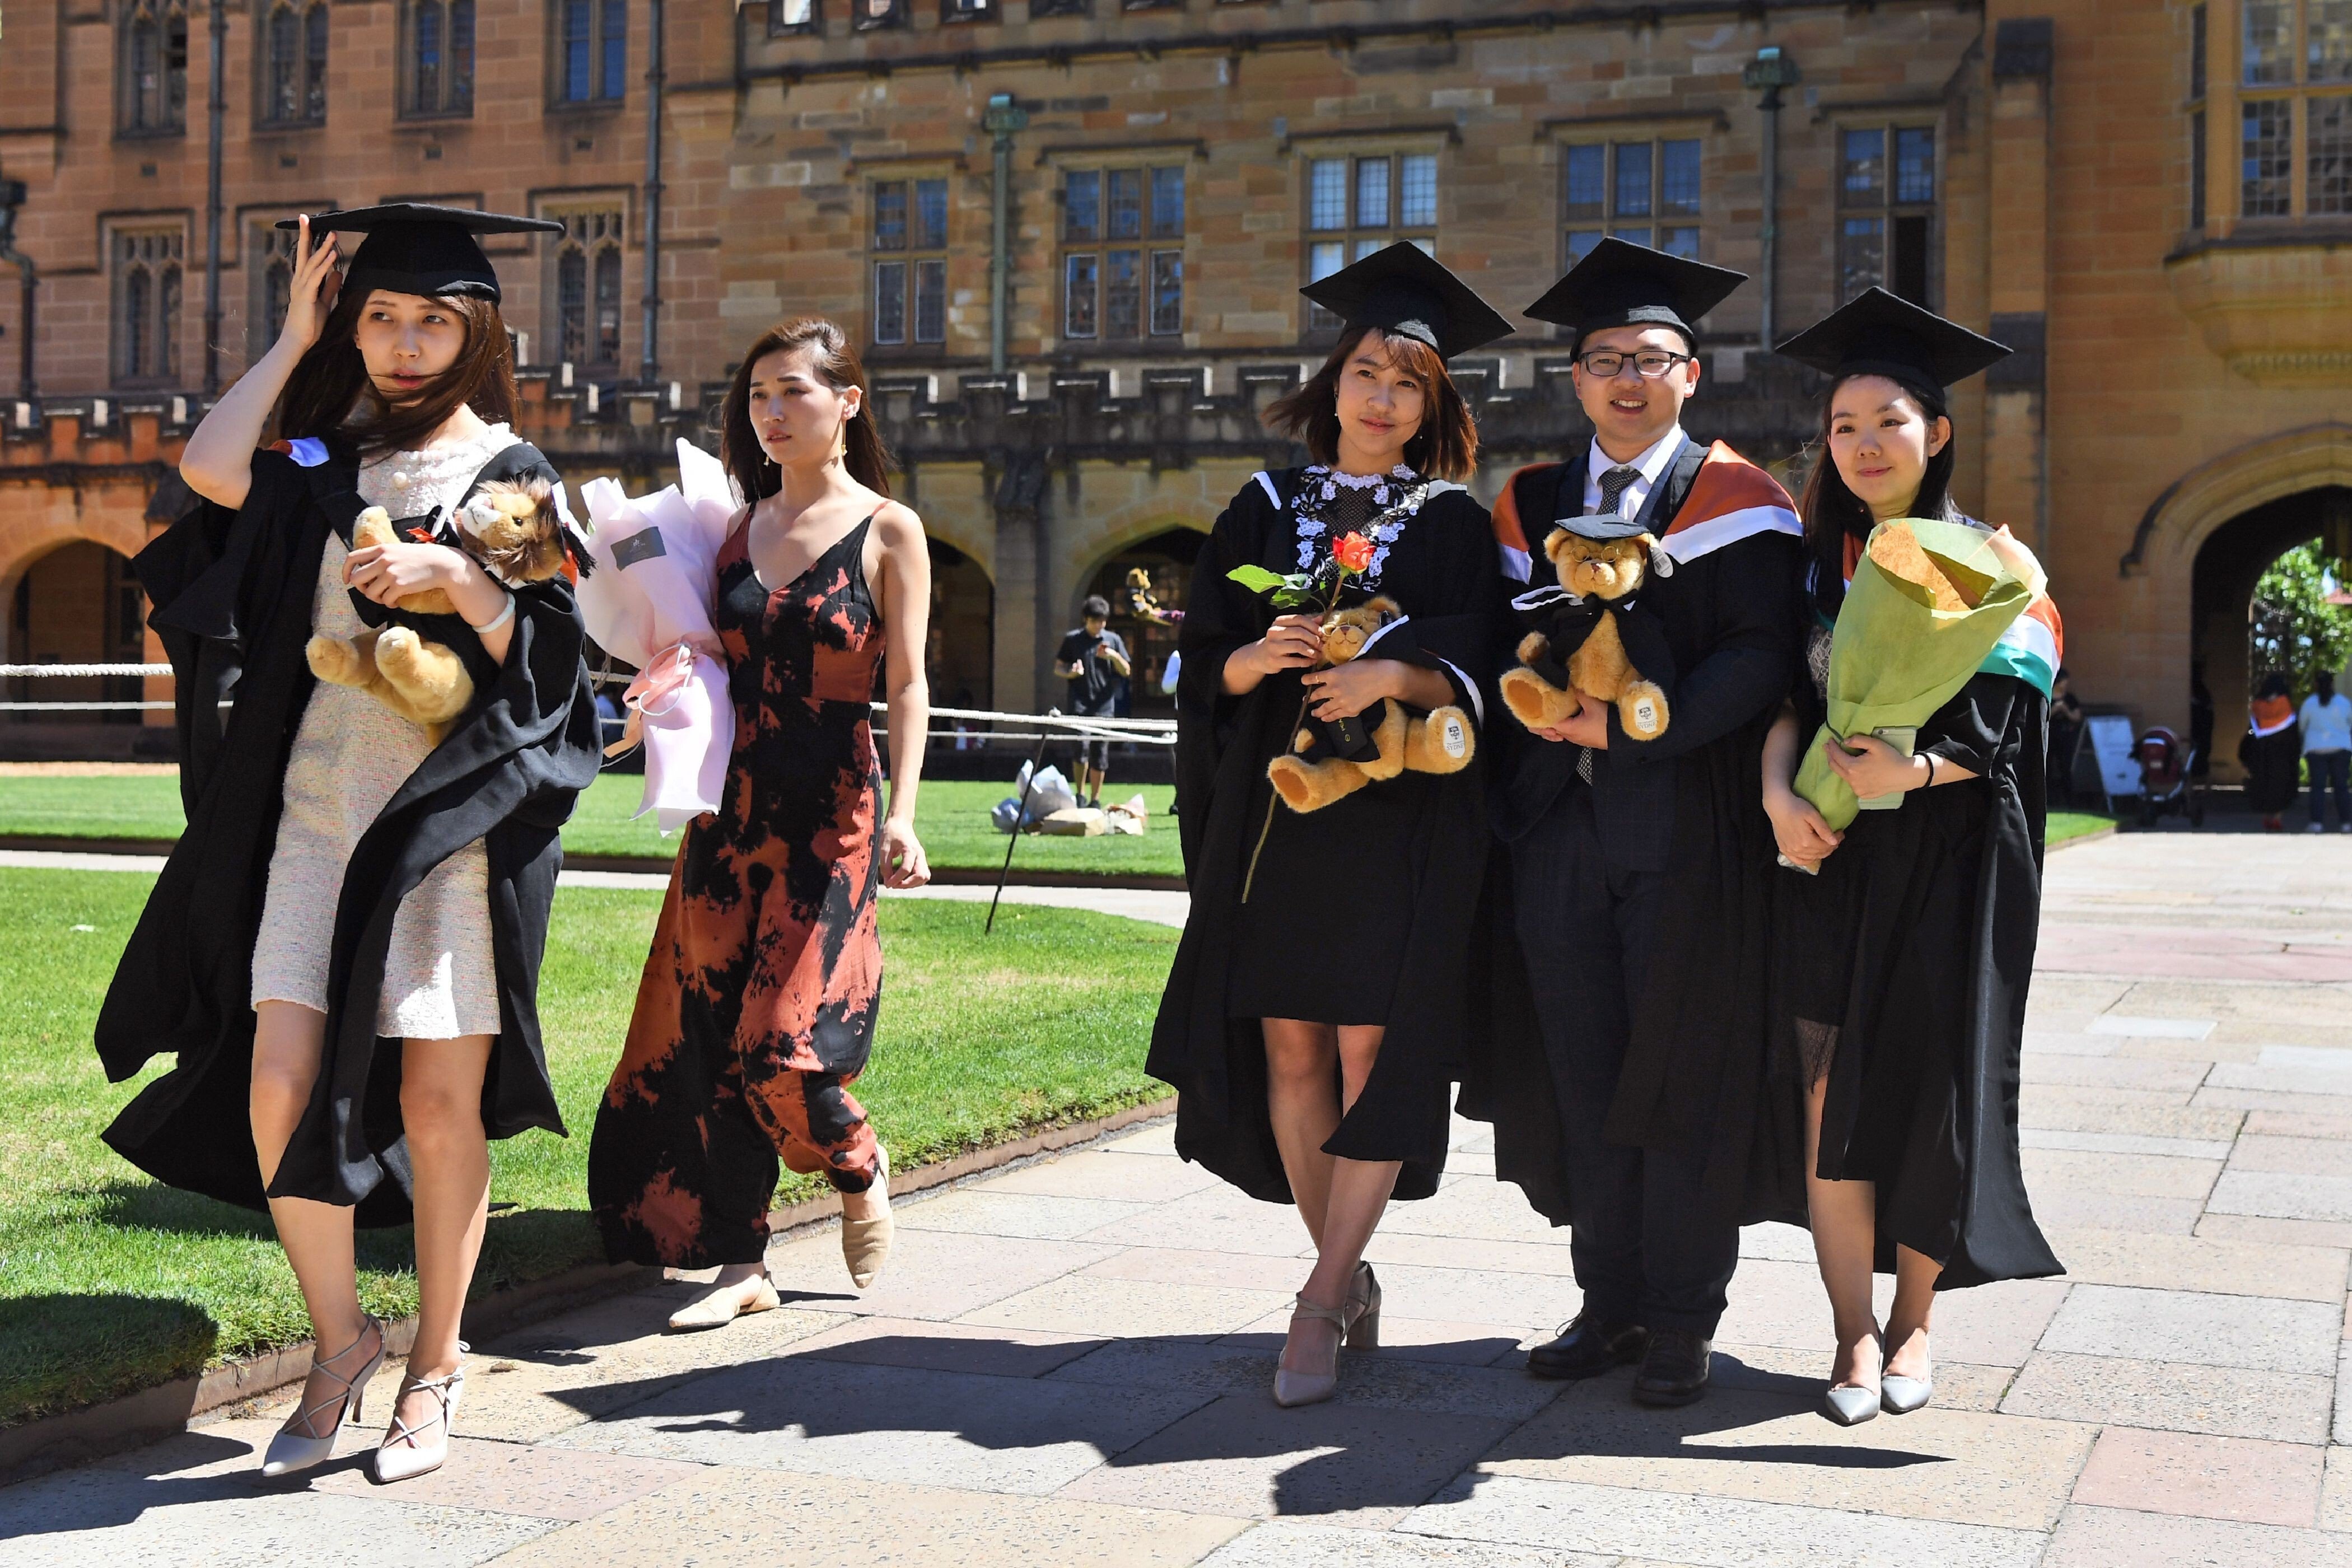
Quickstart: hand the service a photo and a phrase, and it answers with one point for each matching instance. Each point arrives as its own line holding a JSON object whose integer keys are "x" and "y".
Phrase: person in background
{"x": 2327, "y": 720}
{"x": 1093, "y": 660}
{"x": 2269, "y": 750}
{"x": 2066, "y": 739}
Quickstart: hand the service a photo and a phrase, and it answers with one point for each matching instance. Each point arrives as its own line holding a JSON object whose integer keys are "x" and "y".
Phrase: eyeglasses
{"x": 1609, "y": 364}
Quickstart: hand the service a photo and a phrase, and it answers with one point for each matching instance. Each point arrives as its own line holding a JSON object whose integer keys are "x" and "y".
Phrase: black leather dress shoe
{"x": 1674, "y": 1369}
{"x": 1587, "y": 1348}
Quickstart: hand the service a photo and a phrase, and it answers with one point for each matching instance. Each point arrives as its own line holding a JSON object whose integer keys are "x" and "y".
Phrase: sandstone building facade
{"x": 1070, "y": 235}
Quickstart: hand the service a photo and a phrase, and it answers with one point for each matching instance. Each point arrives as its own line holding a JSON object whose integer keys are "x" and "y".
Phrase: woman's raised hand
{"x": 311, "y": 294}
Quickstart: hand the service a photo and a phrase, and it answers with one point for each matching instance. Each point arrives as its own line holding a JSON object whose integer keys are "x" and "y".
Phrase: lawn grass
{"x": 2066, "y": 824}
{"x": 951, "y": 817}
{"x": 111, "y": 1283}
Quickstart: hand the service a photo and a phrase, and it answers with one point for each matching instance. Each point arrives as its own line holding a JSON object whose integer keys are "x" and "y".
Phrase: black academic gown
{"x": 1216, "y": 1063}
{"x": 1697, "y": 1079}
{"x": 1915, "y": 943}
{"x": 231, "y": 594}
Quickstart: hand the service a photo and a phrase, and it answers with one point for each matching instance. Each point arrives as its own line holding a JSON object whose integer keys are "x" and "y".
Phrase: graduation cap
{"x": 1403, "y": 289}
{"x": 1878, "y": 333}
{"x": 1620, "y": 284}
{"x": 415, "y": 247}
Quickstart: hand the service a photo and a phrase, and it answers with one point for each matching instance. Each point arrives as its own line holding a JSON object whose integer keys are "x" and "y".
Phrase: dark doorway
{"x": 78, "y": 605}
{"x": 961, "y": 650}
{"x": 2228, "y": 564}
{"x": 1166, "y": 558}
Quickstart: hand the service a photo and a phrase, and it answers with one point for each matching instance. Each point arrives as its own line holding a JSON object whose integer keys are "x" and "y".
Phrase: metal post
{"x": 1001, "y": 119}
{"x": 217, "y": 108}
{"x": 1770, "y": 72}
{"x": 650, "y": 364}
{"x": 1020, "y": 819}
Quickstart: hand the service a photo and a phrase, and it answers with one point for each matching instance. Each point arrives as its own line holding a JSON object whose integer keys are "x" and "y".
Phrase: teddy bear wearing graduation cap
{"x": 1590, "y": 635}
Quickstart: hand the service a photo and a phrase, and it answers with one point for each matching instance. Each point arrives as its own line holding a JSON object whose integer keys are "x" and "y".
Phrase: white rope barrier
{"x": 1042, "y": 726}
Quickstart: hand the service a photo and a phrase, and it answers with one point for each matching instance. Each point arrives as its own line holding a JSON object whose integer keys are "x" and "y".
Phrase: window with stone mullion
{"x": 908, "y": 241}
{"x": 152, "y": 71}
{"x": 148, "y": 267}
{"x": 1122, "y": 253}
{"x": 1644, "y": 192}
{"x": 1887, "y": 185}
{"x": 2294, "y": 114}
{"x": 1361, "y": 204}
{"x": 294, "y": 63}
{"x": 437, "y": 58}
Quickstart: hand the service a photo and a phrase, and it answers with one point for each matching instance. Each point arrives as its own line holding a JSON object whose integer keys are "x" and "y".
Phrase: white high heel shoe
{"x": 290, "y": 1451}
{"x": 402, "y": 1457}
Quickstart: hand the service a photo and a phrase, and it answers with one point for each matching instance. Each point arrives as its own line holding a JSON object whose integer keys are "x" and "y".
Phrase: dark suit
{"x": 1588, "y": 864}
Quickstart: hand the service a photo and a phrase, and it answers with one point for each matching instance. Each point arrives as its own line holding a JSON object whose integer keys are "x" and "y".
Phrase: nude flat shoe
{"x": 722, "y": 1305}
{"x": 865, "y": 1243}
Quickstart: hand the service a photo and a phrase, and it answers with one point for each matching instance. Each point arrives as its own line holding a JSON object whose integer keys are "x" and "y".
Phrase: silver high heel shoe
{"x": 292, "y": 1451}
{"x": 1850, "y": 1403}
{"x": 1901, "y": 1396}
{"x": 1295, "y": 1388}
{"x": 402, "y": 1457}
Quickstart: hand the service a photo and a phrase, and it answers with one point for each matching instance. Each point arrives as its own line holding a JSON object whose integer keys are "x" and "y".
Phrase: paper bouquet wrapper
{"x": 658, "y": 578}
{"x": 1928, "y": 601}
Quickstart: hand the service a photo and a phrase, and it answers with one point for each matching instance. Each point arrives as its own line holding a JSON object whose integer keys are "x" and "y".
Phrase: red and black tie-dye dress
{"x": 759, "y": 998}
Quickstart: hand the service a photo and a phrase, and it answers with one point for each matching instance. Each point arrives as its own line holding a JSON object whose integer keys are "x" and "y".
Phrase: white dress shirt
{"x": 1649, "y": 465}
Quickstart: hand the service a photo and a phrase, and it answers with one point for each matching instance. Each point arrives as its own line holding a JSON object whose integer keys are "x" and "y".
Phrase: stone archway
{"x": 1166, "y": 555}
{"x": 2200, "y": 547}
{"x": 67, "y": 596}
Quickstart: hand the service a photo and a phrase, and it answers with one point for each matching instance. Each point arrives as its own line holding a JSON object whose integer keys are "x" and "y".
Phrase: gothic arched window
{"x": 151, "y": 68}
{"x": 294, "y": 63}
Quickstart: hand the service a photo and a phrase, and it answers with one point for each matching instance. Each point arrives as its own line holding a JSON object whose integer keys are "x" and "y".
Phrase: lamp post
{"x": 1770, "y": 72}
{"x": 12, "y": 197}
{"x": 1004, "y": 117}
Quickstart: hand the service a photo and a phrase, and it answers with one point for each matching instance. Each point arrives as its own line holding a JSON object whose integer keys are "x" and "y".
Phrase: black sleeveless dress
{"x": 759, "y": 995}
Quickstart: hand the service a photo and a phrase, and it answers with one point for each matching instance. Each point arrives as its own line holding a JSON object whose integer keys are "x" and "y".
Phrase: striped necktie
{"x": 1613, "y": 485}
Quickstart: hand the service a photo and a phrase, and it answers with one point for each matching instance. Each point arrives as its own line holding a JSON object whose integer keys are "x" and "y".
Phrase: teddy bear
{"x": 1599, "y": 579}
{"x": 513, "y": 530}
{"x": 1319, "y": 768}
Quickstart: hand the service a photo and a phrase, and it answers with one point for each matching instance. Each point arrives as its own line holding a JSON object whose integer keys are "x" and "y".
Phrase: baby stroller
{"x": 2168, "y": 778}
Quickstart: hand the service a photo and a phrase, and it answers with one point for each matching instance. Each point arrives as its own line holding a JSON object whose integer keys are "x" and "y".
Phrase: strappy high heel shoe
{"x": 290, "y": 1451}
{"x": 1295, "y": 1388}
{"x": 401, "y": 1457}
{"x": 865, "y": 1243}
{"x": 1363, "y": 1305}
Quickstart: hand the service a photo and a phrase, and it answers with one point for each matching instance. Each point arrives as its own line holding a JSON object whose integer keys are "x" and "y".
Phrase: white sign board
{"x": 2113, "y": 743}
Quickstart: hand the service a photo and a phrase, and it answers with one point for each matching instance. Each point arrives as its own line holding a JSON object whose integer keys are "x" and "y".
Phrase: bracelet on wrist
{"x": 505, "y": 615}
{"x": 1931, "y": 770}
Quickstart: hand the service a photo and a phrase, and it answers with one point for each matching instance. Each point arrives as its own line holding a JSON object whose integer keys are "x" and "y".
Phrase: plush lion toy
{"x": 1308, "y": 780}
{"x": 513, "y": 530}
{"x": 1600, "y": 577}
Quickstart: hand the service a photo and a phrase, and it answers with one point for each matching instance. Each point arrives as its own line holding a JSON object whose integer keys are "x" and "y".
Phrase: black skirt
{"x": 1322, "y": 935}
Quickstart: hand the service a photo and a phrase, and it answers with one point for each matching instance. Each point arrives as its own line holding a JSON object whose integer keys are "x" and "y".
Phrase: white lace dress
{"x": 349, "y": 758}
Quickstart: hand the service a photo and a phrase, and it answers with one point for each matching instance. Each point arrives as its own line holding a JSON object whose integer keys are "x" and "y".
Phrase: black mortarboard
{"x": 1403, "y": 289}
{"x": 1878, "y": 333}
{"x": 1620, "y": 284}
{"x": 414, "y": 248}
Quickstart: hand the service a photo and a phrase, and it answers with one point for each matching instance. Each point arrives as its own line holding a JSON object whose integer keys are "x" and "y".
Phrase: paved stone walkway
{"x": 1067, "y": 1362}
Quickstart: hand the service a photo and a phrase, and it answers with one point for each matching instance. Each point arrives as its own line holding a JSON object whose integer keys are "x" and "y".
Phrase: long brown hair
{"x": 836, "y": 364}
{"x": 1833, "y": 512}
{"x": 330, "y": 384}
{"x": 1444, "y": 447}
